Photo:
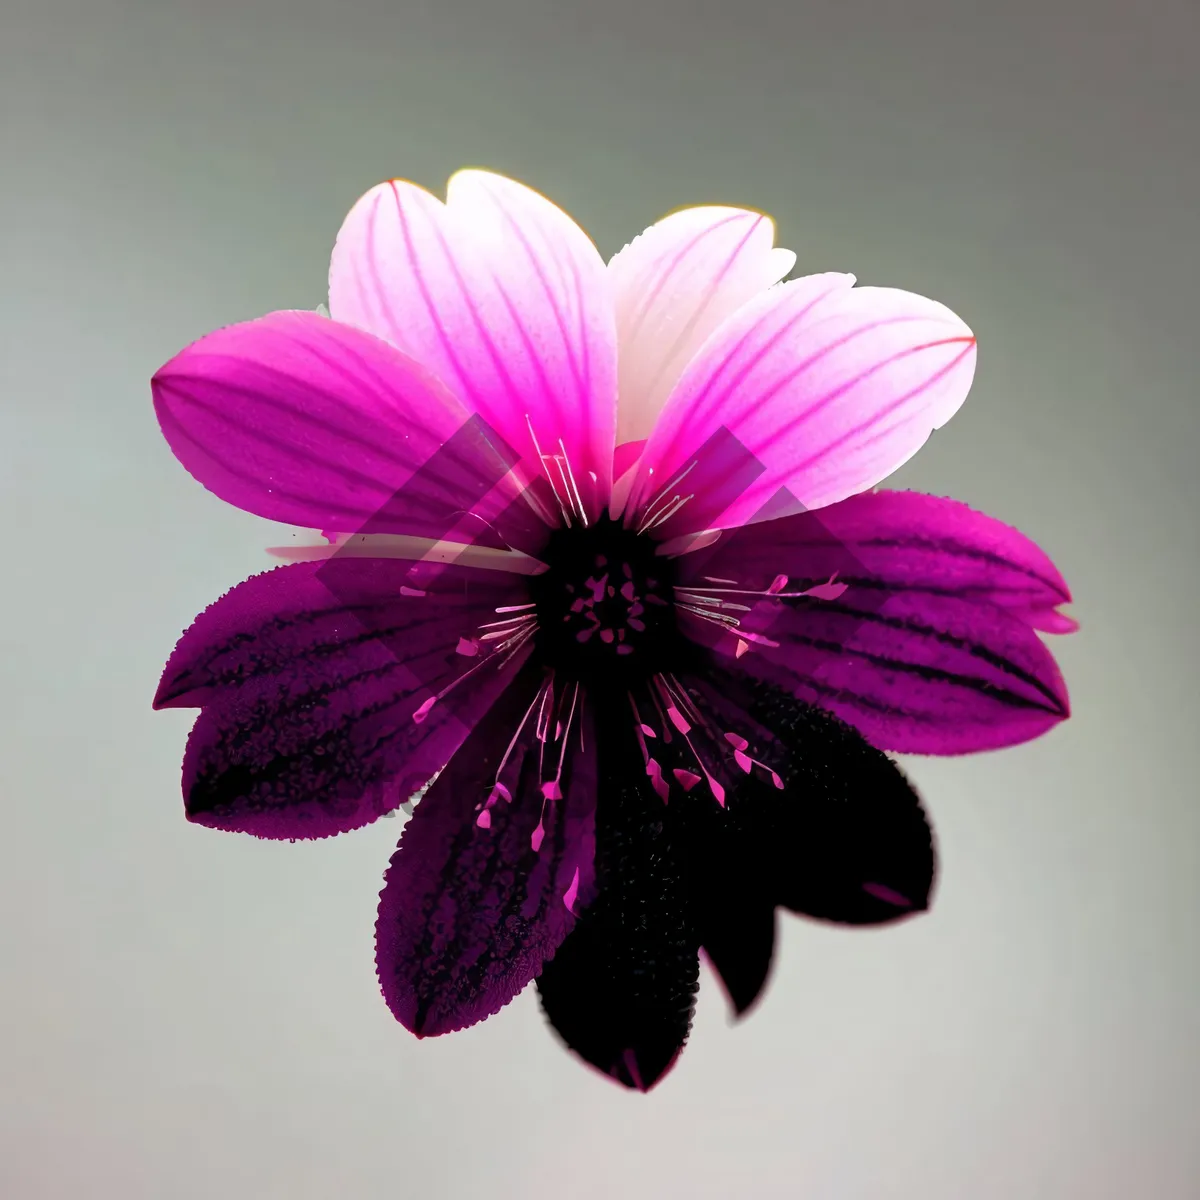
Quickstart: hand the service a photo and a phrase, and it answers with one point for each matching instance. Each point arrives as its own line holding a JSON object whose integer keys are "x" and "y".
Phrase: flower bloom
{"x": 607, "y": 582}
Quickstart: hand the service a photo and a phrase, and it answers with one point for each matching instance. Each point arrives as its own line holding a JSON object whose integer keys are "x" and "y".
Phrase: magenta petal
{"x": 312, "y": 679}
{"x": 1047, "y": 620}
{"x": 923, "y": 640}
{"x": 473, "y": 907}
{"x": 300, "y": 419}
{"x": 911, "y": 541}
{"x": 923, "y": 674}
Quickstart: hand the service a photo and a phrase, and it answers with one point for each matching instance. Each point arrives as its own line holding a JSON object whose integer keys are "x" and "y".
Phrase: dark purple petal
{"x": 839, "y": 835}
{"x": 622, "y": 988}
{"x": 737, "y": 931}
{"x": 898, "y": 541}
{"x": 919, "y": 674}
{"x": 482, "y": 887}
{"x": 317, "y": 684}
{"x": 925, "y": 644}
{"x": 300, "y": 419}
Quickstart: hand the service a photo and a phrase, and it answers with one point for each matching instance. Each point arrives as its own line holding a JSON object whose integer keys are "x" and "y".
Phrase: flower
{"x": 607, "y": 582}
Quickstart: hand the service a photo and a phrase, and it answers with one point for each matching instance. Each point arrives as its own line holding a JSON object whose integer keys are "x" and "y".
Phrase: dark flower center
{"x": 605, "y": 606}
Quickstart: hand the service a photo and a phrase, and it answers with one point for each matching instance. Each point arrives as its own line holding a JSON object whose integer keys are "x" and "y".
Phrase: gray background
{"x": 188, "y": 1014}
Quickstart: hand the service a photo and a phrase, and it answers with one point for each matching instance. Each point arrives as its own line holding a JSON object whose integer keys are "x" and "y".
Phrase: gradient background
{"x": 194, "y": 1015}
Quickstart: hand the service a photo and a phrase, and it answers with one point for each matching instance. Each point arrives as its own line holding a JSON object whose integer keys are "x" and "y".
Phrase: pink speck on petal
{"x": 742, "y": 647}
{"x": 776, "y": 780}
{"x": 551, "y": 790}
{"x": 742, "y": 760}
{"x": 631, "y": 1068}
{"x": 484, "y": 820}
{"x": 606, "y": 635}
{"x": 422, "y": 712}
{"x": 624, "y": 649}
{"x": 882, "y": 892}
{"x": 829, "y": 590}
{"x": 570, "y": 895}
{"x": 627, "y": 591}
{"x": 499, "y": 792}
{"x": 648, "y": 731}
{"x": 656, "y": 778}
{"x": 468, "y": 647}
{"x": 677, "y": 719}
{"x": 777, "y": 584}
{"x": 538, "y": 834}
{"x": 761, "y": 640}
{"x": 634, "y": 623}
{"x": 717, "y": 790}
{"x": 687, "y": 779}
{"x": 737, "y": 741}
{"x": 408, "y": 591}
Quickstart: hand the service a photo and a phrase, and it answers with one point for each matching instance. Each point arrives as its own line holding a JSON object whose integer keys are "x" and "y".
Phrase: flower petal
{"x": 825, "y": 388}
{"x": 299, "y": 419}
{"x": 913, "y": 542}
{"x": 316, "y": 682}
{"x": 622, "y": 988}
{"x": 897, "y": 541}
{"x": 474, "y": 903}
{"x": 843, "y": 839}
{"x": 672, "y": 287}
{"x": 906, "y": 644}
{"x": 737, "y": 932}
{"x": 502, "y": 296}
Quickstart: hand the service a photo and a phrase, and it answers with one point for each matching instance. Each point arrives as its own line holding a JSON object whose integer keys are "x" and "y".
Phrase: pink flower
{"x": 607, "y": 580}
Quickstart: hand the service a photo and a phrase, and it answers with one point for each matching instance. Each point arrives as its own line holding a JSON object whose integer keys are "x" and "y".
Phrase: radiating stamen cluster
{"x": 605, "y": 606}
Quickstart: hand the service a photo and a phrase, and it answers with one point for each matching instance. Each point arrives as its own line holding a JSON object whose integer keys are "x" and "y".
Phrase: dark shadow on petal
{"x": 621, "y": 989}
{"x": 845, "y": 839}
{"x": 739, "y": 941}
{"x": 733, "y": 900}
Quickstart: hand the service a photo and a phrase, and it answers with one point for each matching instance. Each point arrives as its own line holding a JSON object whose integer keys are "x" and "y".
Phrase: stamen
{"x": 653, "y": 770}
{"x": 543, "y": 458}
{"x": 572, "y": 893}
{"x": 677, "y": 699}
{"x": 574, "y": 487}
{"x": 676, "y": 504}
{"x": 666, "y": 488}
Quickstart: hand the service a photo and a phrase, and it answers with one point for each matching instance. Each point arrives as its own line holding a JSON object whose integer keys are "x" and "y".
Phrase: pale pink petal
{"x": 672, "y": 287}
{"x": 506, "y": 300}
{"x": 810, "y": 393}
